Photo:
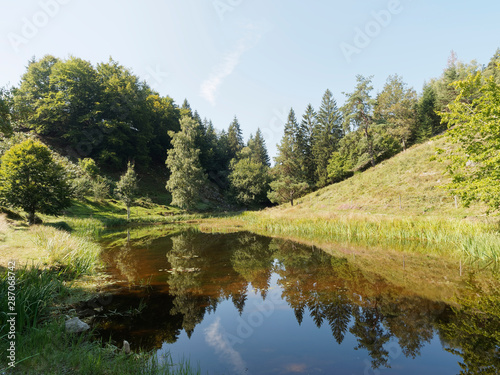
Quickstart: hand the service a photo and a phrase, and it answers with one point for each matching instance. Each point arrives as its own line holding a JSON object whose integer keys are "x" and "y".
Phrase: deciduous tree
{"x": 30, "y": 179}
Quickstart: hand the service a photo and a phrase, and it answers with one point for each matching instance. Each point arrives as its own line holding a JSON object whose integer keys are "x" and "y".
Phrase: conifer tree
{"x": 257, "y": 146}
{"x": 289, "y": 179}
{"x": 429, "y": 122}
{"x": 307, "y": 130}
{"x": 358, "y": 112}
{"x": 327, "y": 134}
{"x": 235, "y": 138}
{"x": 186, "y": 174}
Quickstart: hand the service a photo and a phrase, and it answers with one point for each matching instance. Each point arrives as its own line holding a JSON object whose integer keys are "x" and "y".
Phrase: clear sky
{"x": 252, "y": 58}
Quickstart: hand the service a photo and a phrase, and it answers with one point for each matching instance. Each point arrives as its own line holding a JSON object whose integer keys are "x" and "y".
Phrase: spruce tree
{"x": 258, "y": 149}
{"x": 429, "y": 122}
{"x": 307, "y": 130}
{"x": 186, "y": 174}
{"x": 289, "y": 178}
{"x": 235, "y": 138}
{"x": 327, "y": 134}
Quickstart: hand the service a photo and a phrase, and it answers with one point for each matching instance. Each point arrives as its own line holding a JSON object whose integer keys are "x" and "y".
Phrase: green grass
{"x": 412, "y": 176}
{"x": 66, "y": 273}
{"x": 474, "y": 241}
{"x": 399, "y": 203}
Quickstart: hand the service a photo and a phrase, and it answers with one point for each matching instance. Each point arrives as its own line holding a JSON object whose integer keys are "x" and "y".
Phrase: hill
{"x": 408, "y": 184}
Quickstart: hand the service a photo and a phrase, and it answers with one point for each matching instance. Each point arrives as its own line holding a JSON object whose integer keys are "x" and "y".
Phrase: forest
{"x": 102, "y": 118}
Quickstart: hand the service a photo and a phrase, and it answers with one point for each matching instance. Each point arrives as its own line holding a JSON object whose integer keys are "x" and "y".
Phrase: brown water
{"x": 241, "y": 303}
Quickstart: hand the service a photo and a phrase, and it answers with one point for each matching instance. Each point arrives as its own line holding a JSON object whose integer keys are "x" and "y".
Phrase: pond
{"x": 240, "y": 303}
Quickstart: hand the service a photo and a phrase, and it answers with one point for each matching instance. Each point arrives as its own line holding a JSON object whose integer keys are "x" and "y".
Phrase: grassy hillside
{"x": 410, "y": 177}
{"x": 366, "y": 210}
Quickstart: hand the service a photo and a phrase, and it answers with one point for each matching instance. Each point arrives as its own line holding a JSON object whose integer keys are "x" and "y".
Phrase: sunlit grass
{"x": 471, "y": 240}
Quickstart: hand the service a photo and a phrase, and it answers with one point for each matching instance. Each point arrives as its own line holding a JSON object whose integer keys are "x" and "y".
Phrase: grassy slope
{"x": 411, "y": 175}
{"x": 365, "y": 210}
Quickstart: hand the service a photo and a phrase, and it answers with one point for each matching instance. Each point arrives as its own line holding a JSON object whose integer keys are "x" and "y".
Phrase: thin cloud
{"x": 229, "y": 62}
{"x": 214, "y": 336}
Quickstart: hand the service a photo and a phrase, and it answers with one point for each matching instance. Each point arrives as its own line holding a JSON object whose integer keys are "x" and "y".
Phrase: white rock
{"x": 75, "y": 325}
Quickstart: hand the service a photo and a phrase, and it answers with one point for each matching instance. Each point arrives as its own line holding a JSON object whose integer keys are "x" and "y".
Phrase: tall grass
{"x": 468, "y": 239}
{"x": 76, "y": 254}
{"x": 35, "y": 290}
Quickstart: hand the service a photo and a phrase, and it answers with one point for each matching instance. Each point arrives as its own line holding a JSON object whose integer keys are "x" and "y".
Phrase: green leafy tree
{"x": 5, "y": 115}
{"x": 30, "y": 179}
{"x": 289, "y": 180}
{"x": 474, "y": 126}
{"x": 358, "y": 112}
{"x": 396, "y": 106}
{"x": 126, "y": 189}
{"x": 326, "y": 136}
{"x": 490, "y": 69}
{"x": 249, "y": 178}
{"x": 186, "y": 174}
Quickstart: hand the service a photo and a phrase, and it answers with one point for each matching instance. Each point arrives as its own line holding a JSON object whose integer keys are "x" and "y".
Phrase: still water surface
{"x": 240, "y": 303}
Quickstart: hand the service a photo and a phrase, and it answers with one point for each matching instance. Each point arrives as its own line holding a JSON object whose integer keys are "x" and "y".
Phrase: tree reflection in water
{"x": 207, "y": 269}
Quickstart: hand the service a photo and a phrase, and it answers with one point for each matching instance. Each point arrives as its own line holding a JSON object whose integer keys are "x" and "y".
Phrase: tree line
{"x": 107, "y": 118}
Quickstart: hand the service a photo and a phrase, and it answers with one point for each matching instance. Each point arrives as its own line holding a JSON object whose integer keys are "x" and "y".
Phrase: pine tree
{"x": 326, "y": 136}
{"x": 186, "y": 174}
{"x": 358, "y": 112}
{"x": 235, "y": 138}
{"x": 289, "y": 179}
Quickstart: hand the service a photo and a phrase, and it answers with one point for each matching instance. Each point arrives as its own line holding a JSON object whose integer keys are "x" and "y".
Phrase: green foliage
{"x": 249, "y": 178}
{"x": 103, "y": 112}
{"x": 100, "y": 188}
{"x": 338, "y": 168}
{"x": 326, "y": 135}
{"x": 429, "y": 122}
{"x": 186, "y": 174}
{"x": 257, "y": 146}
{"x": 30, "y": 179}
{"x": 5, "y": 117}
{"x": 396, "y": 106}
{"x": 235, "y": 138}
{"x": 289, "y": 178}
{"x": 89, "y": 166}
{"x": 126, "y": 189}
{"x": 358, "y": 112}
{"x": 307, "y": 130}
{"x": 474, "y": 126}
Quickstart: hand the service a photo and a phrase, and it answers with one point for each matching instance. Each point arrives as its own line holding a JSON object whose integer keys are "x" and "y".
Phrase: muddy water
{"x": 240, "y": 303}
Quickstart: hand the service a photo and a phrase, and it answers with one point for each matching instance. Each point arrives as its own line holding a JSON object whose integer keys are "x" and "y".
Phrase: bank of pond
{"x": 244, "y": 303}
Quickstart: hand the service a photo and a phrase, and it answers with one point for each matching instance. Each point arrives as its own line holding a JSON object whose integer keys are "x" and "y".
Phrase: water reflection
{"x": 193, "y": 277}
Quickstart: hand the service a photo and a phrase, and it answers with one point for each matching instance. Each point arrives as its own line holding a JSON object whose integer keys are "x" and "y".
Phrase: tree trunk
{"x": 128, "y": 212}
{"x": 370, "y": 147}
{"x": 31, "y": 218}
{"x": 291, "y": 199}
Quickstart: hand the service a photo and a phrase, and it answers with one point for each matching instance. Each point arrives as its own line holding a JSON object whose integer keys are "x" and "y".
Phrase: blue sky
{"x": 252, "y": 58}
